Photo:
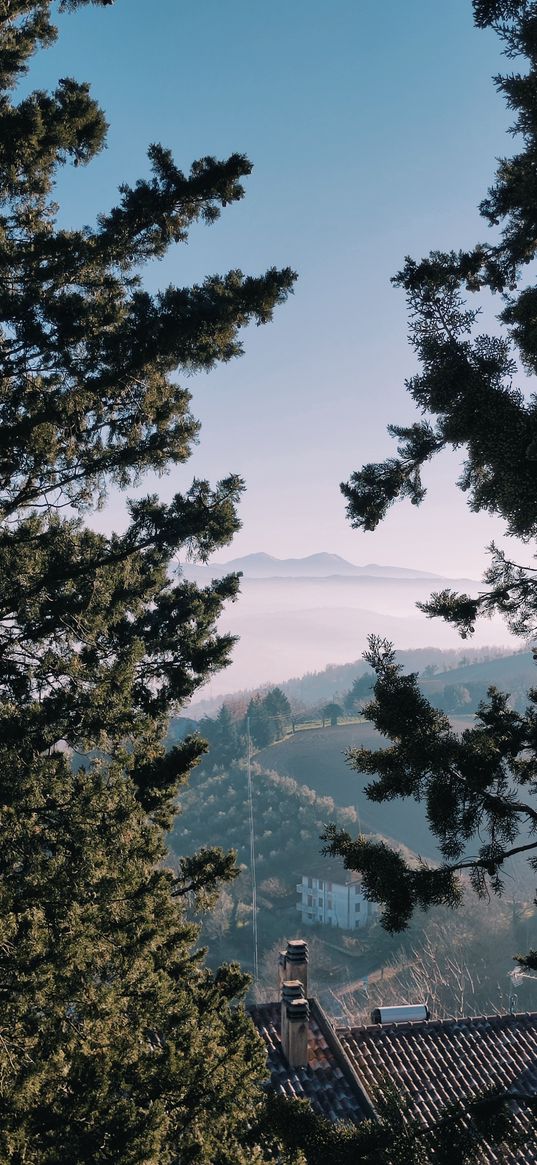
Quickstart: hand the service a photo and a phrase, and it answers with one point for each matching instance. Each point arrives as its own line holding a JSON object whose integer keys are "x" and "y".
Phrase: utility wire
{"x": 252, "y": 853}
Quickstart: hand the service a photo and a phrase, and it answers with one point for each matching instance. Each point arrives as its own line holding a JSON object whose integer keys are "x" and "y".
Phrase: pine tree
{"x": 478, "y": 788}
{"x": 116, "y": 1045}
{"x": 361, "y": 690}
{"x": 279, "y": 709}
{"x": 260, "y": 723}
{"x": 229, "y": 745}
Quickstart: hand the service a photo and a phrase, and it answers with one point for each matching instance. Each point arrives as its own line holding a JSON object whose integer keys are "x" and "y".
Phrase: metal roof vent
{"x": 403, "y": 1014}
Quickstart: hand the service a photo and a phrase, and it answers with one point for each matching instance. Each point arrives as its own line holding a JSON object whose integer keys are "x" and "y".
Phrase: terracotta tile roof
{"x": 326, "y": 1082}
{"x": 432, "y": 1064}
{"x": 330, "y": 870}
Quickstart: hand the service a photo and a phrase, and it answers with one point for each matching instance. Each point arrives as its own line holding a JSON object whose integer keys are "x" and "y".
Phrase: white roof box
{"x": 404, "y": 1014}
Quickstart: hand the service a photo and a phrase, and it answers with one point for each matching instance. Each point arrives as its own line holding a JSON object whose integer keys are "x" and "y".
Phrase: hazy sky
{"x": 373, "y": 129}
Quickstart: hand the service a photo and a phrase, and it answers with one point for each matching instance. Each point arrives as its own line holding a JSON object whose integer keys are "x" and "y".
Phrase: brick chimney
{"x": 296, "y": 962}
{"x": 291, "y": 989}
{"x": 296, "y": 1052}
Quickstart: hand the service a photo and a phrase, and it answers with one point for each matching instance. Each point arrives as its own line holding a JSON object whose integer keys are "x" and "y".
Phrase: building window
{"x": 310, "y": 883}
{"x": 357, "y": 907}
{"x": 310, "y": 899}
{"x": 329, "y": 903}
{"x": 329, "y": 887}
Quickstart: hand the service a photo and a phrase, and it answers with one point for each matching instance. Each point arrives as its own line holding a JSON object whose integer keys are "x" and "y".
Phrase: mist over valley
{"x": 290, "y": 621}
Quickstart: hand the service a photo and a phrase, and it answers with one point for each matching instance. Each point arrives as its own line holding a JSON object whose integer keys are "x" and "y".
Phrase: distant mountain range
{"x": 298, "y": 615}
{"x": 313, "y": 566}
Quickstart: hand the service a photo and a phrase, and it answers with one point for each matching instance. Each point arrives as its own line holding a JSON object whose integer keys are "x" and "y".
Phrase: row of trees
{"x": 266, "y": 718}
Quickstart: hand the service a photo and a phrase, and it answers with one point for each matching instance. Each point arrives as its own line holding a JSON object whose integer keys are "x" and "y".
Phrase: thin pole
{"x": 252, "y": 853}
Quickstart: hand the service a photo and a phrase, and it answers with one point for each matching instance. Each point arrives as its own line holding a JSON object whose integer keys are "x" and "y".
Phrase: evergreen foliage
{"x": 395, "y": 1136}
{"x": 465, "y": 385}
{"x": 116, "y": 1045}
{"x": 331, "y": 712}
{"x": 279, "y": 710}
{"x": 479, "y": 789}
{"x": 260, "y": 724}
{"x": 266, "y": 719}
{"x": 361, "y": 689}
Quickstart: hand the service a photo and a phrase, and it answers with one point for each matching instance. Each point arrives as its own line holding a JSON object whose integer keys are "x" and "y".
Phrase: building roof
{"x": 326, "y": 1082}
{"x": 435, "y": 1063}
{"x": 431, "y": 1064}
{"x": 331, "y": 870}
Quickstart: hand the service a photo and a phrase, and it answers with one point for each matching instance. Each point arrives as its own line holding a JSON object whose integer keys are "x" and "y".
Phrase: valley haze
{"x": 297, "y": 615}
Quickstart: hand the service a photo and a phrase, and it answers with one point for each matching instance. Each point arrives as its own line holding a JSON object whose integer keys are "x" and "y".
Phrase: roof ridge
{"x": 432, "y": 1024}
{"x": 341, "y": 1057}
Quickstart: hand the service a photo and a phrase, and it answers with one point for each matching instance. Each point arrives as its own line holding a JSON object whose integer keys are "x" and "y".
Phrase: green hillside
{"x": 288, "y": 821}
{"x": 316, "y": 758}
{"x": 463, "y": 688}
{"x": 476, "y": 942}
{"x": 508, "y": 672}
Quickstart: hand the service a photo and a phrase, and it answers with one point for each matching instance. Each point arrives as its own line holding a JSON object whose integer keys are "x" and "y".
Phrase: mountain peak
{"x": 320, "y": 565}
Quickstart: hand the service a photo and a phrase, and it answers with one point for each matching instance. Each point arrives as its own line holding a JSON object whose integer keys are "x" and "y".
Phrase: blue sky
{"x": 373, "y": 130}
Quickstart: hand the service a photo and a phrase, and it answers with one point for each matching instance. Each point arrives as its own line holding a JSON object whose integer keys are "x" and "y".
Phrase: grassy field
{"x": 316, "y": 757}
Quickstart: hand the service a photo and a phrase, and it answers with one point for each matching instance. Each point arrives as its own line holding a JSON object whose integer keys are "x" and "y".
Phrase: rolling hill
{"x": 316, "y": 757}
{"x": 507, "y": 672}
{"x": 288, "y": 821}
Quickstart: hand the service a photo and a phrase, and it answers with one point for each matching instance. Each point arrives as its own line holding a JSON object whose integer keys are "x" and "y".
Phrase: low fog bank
{"x": 289, "y": 626}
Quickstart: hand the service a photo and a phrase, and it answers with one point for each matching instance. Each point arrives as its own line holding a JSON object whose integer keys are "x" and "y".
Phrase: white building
{"x": 336, "y": 902}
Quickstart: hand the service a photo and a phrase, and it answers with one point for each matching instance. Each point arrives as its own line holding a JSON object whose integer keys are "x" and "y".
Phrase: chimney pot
{"x": 297, "y": 1033}
{"x": 296, "y": 962}
{"x": 291, "y": 989}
